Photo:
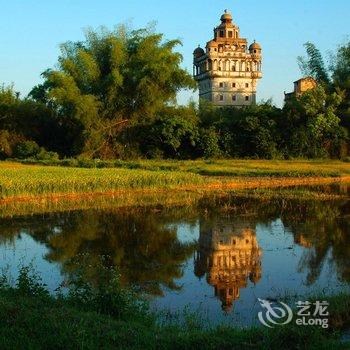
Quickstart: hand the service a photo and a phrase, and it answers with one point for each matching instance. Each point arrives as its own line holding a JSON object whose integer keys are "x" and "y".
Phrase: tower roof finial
{"x": 226, "y": 16}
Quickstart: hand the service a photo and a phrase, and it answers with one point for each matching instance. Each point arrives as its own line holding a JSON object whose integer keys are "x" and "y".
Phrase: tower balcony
{"x": 228, "y": 74}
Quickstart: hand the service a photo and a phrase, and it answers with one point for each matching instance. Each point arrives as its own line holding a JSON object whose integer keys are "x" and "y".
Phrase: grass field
{"x": 224, "y": 167}
{"x": 25, "y": 181}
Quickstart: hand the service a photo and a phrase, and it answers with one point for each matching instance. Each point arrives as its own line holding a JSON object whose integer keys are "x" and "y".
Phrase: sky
{"x": 31, "y": 31}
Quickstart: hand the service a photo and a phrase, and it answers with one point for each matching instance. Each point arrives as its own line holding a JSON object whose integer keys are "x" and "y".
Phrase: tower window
{"x": 247, "y": 98}
{"x": 234, "y": 97}
{"x": 221, "y": 97}
{"x": 230, "y": 34}
{"x": 233, "y": 68}
{"x": 246, "y": 85}
{"x": 233, "y": 84}
{"x": 222, "y": 33}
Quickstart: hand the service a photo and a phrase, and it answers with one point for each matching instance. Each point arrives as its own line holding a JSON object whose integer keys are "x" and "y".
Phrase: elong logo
{"x": 275, "y": 315}
{"x": 279, "y": 313}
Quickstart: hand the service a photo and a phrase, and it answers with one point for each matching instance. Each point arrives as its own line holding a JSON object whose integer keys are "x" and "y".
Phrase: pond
{"x": 214, "y": 257}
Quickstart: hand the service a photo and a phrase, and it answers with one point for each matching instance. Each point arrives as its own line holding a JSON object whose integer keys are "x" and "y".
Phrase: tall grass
{"x": 93, "y": 176}
{"x": 39, "y": 180}
{"x": 223, "y": 167}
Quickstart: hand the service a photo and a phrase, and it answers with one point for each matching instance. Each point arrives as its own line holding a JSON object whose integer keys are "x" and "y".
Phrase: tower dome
{"x": 198, "y": 52}
{"x": 226, "y": 17}
{"x": 254, "y": 46}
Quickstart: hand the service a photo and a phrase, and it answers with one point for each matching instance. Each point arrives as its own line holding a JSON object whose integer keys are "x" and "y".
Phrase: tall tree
{"x": 340, "y": 70}
{"x": 314, "y": 65}
{"x": 111, "y": 80}
{"x": 310, "y": 125}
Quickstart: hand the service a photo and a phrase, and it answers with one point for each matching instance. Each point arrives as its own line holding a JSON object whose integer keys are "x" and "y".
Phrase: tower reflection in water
{"x": 228, "y": 254}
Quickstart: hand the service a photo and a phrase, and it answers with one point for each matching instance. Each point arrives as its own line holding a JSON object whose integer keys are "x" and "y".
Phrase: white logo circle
{"x": 274, "y": 315}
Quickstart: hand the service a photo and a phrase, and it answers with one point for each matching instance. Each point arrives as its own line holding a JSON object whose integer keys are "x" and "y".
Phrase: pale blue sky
{"x": 30, "y": 32}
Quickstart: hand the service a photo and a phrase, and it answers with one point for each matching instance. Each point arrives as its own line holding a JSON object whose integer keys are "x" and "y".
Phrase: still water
{"x": 214, "y": 257}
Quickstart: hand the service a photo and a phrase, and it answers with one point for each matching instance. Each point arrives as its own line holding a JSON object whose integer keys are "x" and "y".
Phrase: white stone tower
{"x": 227, "y": 71}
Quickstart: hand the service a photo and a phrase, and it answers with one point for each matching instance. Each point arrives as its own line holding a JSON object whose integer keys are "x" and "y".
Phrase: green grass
{"x": 108, "y": 318}
{"x": 224, "y": 167}
{"x": 41, "y": 180}
{"x": 162, "y": 200}
{"x": 94, "y": 176}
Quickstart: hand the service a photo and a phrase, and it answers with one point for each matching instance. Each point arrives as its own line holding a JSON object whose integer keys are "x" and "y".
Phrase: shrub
{"x": 8, "y": 140}
{"x": 26, "y": 149}
{"x": 47, "y": 155}
{"x": 209, "y": 143}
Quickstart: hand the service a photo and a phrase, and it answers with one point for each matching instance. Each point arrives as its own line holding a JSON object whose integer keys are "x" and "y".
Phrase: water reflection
{"x": 325, "y": 238}
{"x": 233, "y": 248}
{"x": 147, "y": 253}
{"x": 228, "y": 254}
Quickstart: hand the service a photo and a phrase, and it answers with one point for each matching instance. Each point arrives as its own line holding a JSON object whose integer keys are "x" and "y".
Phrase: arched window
{"x": 221, "y": 97}
{"x": 234, "y": 98}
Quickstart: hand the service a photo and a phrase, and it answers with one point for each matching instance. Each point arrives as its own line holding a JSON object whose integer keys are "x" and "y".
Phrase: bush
{"x": 5, "y": 144}
{"x": 8, "y": 140}
{"x": 71, "y": 162}
{"x": 26, "y": 149}
{"x": 47, "y": 155}
{"x": 209, "y": 143}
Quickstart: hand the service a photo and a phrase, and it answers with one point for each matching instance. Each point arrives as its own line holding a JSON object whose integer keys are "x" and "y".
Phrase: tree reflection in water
{"x": 326, "y": 236}
{"x": 142, "y": 243}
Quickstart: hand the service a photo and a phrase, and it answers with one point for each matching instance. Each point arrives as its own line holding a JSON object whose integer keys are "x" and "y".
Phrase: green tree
{"x": 314, "y": 65}
{"x": 25, "y": 119}
{"x": 310, "y": 126}
{"x": 245, "y": 132}
{"x": 340, "y": 70}
{"x": 332, "y": 105}
{"x": 112, "y": 80}
{"x": 174, "y": 133}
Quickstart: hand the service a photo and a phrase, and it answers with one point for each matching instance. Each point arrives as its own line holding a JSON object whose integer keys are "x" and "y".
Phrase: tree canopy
{"x": 111, "y": 80}
{"x": 113, "y": 95}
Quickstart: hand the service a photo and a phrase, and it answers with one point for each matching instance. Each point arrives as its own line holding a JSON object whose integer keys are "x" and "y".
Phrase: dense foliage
{"x": 113, "y": 95}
